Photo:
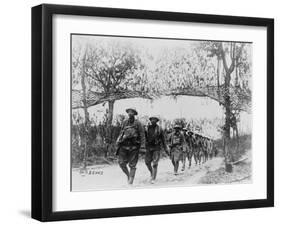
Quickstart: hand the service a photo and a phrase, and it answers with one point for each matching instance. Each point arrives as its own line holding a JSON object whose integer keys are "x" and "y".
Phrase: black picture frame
{"x": 42, "y": 111}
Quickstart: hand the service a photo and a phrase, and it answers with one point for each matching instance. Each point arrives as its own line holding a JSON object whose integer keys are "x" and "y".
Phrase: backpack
{"x": 128, "y": 134}
{"x": 153, "y": 140}
{"x": 175, "y": 139}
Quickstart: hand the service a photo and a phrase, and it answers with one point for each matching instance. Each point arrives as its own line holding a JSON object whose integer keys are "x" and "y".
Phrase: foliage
{"x": 113, "y": 66}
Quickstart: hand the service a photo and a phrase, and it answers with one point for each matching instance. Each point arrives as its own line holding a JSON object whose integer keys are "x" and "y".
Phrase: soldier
{"x": 154, "y": 140}
{"x": 184, "y": 153}
{"x": 190, "y": 146}
{"x": 199, "y": 149}
{"x": 177, "y": 145}
{"x": 130, "y": 141}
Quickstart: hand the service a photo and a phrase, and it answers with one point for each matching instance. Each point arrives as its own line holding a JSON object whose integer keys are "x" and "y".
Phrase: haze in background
{"x": 169, "y": 108}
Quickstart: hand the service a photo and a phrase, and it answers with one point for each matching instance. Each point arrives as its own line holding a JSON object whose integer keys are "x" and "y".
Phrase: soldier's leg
{"x": 210, "y": 154}
{"x": 190, "y": 158}
{"x": 176, "y": 160}
{"x": 148, "y": 160}
{"x": 133, "y": 160}
{"x": 216, "y": 151}
{"x": 199, "y": 157}
{"x": 195, "y": 156}
{"x": 176, "y": 167}
{"x": 203, "y": 155}
{"x": 155, "y": 160}
{"x": 123, "y": 161}
{"x": 184, "y": 155}
{"x": 172, "y": 157}
{"x": 173, "y": 160}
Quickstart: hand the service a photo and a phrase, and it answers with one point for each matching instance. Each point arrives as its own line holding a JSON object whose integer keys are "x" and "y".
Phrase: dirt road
{"x": 105, "y": 177}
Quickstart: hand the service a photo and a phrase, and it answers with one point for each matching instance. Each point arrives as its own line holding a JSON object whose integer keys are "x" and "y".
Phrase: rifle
{"x": 119, "y": 141}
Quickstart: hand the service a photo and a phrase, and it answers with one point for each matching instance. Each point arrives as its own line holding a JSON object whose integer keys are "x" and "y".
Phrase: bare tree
{"x": 230, "y": 54}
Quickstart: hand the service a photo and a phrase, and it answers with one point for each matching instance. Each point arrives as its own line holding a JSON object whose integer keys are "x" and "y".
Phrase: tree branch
{"x": 223, "y": 58}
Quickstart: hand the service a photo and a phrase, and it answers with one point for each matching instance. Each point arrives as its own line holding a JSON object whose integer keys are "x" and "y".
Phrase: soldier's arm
{"x": 124, "y": 124}
{"x": 122, "y": 130}
{"x": 163, "y": 140}
{"x": 146, "y": 133}
{"x": 165, "y": 144}
{"x": 122, "y": 127}
{"x": 142, "y": 135}
{"x": 169, "y": 140}
{"x": 184, "y": 144}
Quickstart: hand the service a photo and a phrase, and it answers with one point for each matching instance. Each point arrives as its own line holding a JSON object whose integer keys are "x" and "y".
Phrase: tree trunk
{"x": 110, "y": 112}
{"x": 218, "y": 78}
{"x": 86, "y": 115}
{"x": 84, "y": 95}
{"x": 237, "y": 137}
{"x": 227, "y": 103}
{"x": 109, "y": 138}
{"x": 228, "y": 166}
{"x": 234, "y": 55}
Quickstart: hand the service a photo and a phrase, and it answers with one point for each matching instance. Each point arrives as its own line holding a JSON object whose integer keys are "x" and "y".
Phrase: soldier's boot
{"x": 148, "y": 164}
{"x": 154, "y": 173}
{"x": 176, "y": 166}
{"x": 132, "y": 176}
{"x": 173, "y": 162}
{"x": 125, "y": 170}
{"x": 183, "y": 166}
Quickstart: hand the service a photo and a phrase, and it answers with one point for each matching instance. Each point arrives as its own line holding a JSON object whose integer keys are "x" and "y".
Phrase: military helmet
{"x": 177, "y": 126}
{"x": 190, "y": 132}
{"x": 154, "y": 117}
{"x": 132, "y": 109}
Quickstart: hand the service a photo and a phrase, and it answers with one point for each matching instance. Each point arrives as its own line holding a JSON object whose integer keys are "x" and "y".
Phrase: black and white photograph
{"x": 140, "y": 112}
{"x": 159, "y": 112}
{"x": 143, "y": 112}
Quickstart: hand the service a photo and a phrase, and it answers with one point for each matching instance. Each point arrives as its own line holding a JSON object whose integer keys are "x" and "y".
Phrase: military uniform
{"x": 177, "y": 146}
{"x": 129, "y": 142}
{"x": 184, "y": 151}
{"x": 154, "y": 140}
{"x": 189, "y": 148}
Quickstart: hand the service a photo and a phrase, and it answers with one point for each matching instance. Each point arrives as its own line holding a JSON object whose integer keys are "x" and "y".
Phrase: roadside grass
{"x": 242, "y": 171}
{"x": 237, "y": 150}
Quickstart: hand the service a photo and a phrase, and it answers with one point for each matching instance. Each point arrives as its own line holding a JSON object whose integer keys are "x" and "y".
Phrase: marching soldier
{"x": 154, "y": 140}
{"x": 189, "y": 140}
{"x": 184, "y": 152}
{"x": 177, "y": 146}
{"x": 130, "y": 141}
